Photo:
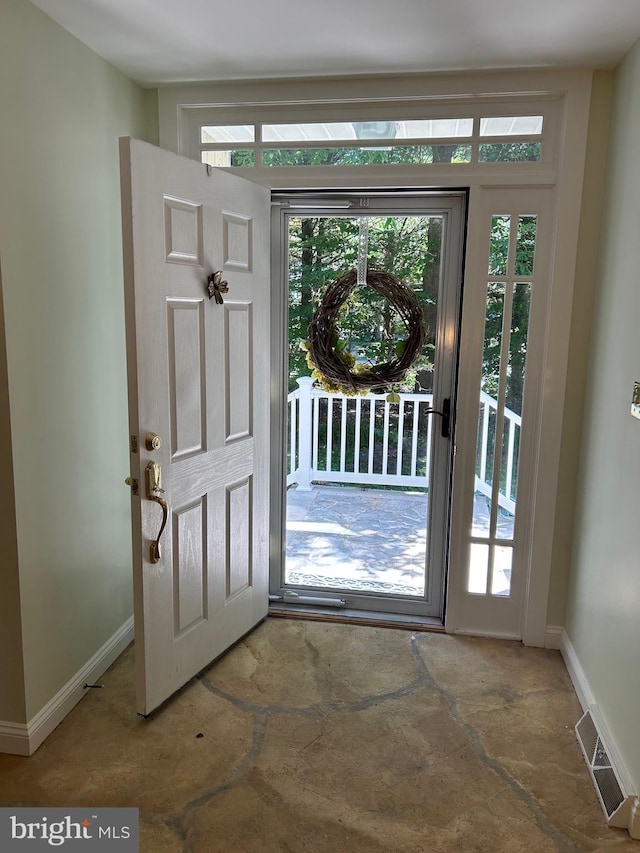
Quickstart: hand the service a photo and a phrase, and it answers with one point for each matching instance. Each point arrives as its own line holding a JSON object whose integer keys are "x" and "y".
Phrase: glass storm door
{"x": 365, "y": 514}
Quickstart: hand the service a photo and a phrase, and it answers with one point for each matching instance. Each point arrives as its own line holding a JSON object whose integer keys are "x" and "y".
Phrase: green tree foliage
{"x": 323, "y": 248}
{"x": 354, "y": 155}
{"x": 515, "y": 327}
{"x": 509, "y": 152}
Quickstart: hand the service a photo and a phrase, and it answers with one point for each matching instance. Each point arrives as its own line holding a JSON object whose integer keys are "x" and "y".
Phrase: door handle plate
{"x": 445, "y": 432}
{"x": 153, "y": 479}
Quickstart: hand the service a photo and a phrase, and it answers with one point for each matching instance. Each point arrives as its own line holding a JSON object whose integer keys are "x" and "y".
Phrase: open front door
{"x": 198, "y": 371}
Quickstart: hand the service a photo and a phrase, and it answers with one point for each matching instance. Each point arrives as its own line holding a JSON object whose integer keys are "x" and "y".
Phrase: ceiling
{"x": 166, "y": 41}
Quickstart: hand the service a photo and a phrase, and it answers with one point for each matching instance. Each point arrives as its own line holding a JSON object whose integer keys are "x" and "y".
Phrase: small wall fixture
{"x": 635, "y": 400}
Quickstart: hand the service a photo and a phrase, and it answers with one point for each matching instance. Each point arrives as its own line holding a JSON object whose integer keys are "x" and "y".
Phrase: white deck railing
{"x": 511, "y": 443}
{"x": 389, "y": 441}
{"x": 384, "y": 449}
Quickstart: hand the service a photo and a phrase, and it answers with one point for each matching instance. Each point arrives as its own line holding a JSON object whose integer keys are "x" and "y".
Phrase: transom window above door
{"x": 480, "y": 134}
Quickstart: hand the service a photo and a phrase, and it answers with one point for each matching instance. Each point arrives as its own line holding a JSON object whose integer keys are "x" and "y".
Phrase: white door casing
{"x": 198, "y": 374}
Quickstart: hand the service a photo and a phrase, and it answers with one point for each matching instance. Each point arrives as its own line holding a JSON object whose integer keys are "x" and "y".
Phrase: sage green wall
{"x": 12, "y": 700}
{"x": 63, "y": 110}
{"x": 603, "y": 611}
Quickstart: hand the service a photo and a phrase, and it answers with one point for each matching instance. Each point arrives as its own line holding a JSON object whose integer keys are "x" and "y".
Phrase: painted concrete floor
{"x": 315, "y": 738}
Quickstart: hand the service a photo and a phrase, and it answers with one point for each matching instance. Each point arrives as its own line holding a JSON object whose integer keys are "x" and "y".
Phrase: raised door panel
{"x": 190, "y": 566}
{"x": 238, "y": 345}
{"x": 237, "y": 242}
{"x": 183, "y": 231}
{"x": 187, "y": 376}
{"x": 238, "y": 561}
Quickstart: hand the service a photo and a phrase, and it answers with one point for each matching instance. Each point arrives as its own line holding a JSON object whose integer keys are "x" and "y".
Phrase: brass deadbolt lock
{"x": 153, "y": 441}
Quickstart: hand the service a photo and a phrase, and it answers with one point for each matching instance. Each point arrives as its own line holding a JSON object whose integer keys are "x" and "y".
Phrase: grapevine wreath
{"x": 337, "y": 369}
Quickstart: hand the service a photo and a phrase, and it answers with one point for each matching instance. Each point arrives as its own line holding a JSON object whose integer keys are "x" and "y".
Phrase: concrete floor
{"x": 317, "y": 738}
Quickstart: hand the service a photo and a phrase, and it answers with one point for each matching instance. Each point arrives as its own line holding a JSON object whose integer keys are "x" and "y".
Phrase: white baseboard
{"x": 20, "y": 739}
{"x": 576, "y": 673}
{"x": 553, "y": 637}
{"x": 14, "y": 738}
{"x": 634, "y": 820}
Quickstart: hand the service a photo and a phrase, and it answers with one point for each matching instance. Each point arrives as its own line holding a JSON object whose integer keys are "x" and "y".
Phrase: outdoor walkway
{"x": 361, "y": 539}
{"x": 367, "y": 540}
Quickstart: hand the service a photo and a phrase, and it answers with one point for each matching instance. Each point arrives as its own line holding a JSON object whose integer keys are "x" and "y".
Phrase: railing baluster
{"x": 316, "y": 429}
{"x": 293, "y": 440}
{"x": 400, "y": 437}
{"x": 414, "y": 437}
{"x": 329, "y": 433}
{"x": 485, "y": 439}
{"x": 510, "y": 445}
{"x": 304, "y": 419}
{"x": 343, "y": 434}
{"x": 427, "y": 460}
{"x": 356, "y": 443}
{"x": 385, "y": 440}
{"x": 372, "y": 420}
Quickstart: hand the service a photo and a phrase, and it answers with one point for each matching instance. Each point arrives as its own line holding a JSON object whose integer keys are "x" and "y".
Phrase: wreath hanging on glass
{"x": 334, "y": 366}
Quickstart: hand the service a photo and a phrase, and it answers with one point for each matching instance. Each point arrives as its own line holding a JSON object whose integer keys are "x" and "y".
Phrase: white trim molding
{"x": 634, "y": 820}
{"x": 576, "y": 673}
{"x": 24, "y": 739}
{"x": 14, "y": 738}
{"x": 553, "y": 637}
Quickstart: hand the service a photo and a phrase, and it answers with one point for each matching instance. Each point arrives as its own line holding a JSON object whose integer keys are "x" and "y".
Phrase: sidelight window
{"x": 506, "y": 328}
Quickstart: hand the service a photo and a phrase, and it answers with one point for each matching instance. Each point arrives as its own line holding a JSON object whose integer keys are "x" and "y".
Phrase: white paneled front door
{"x": 198, "y": 373}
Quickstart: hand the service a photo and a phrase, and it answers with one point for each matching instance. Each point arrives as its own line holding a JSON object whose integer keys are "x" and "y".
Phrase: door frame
{"x": 452, "y": 206}
{"x": 567, "y": 93}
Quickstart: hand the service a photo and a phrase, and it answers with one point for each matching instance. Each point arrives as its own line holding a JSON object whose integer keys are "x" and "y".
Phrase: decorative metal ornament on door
{"x": 216, "y": 286}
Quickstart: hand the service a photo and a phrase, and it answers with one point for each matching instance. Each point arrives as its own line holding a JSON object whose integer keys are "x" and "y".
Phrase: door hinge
{"x": 133, "y": 444}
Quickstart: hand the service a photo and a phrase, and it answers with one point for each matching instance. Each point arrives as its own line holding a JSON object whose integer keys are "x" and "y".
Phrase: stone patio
{"x": 363, "y": 539}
